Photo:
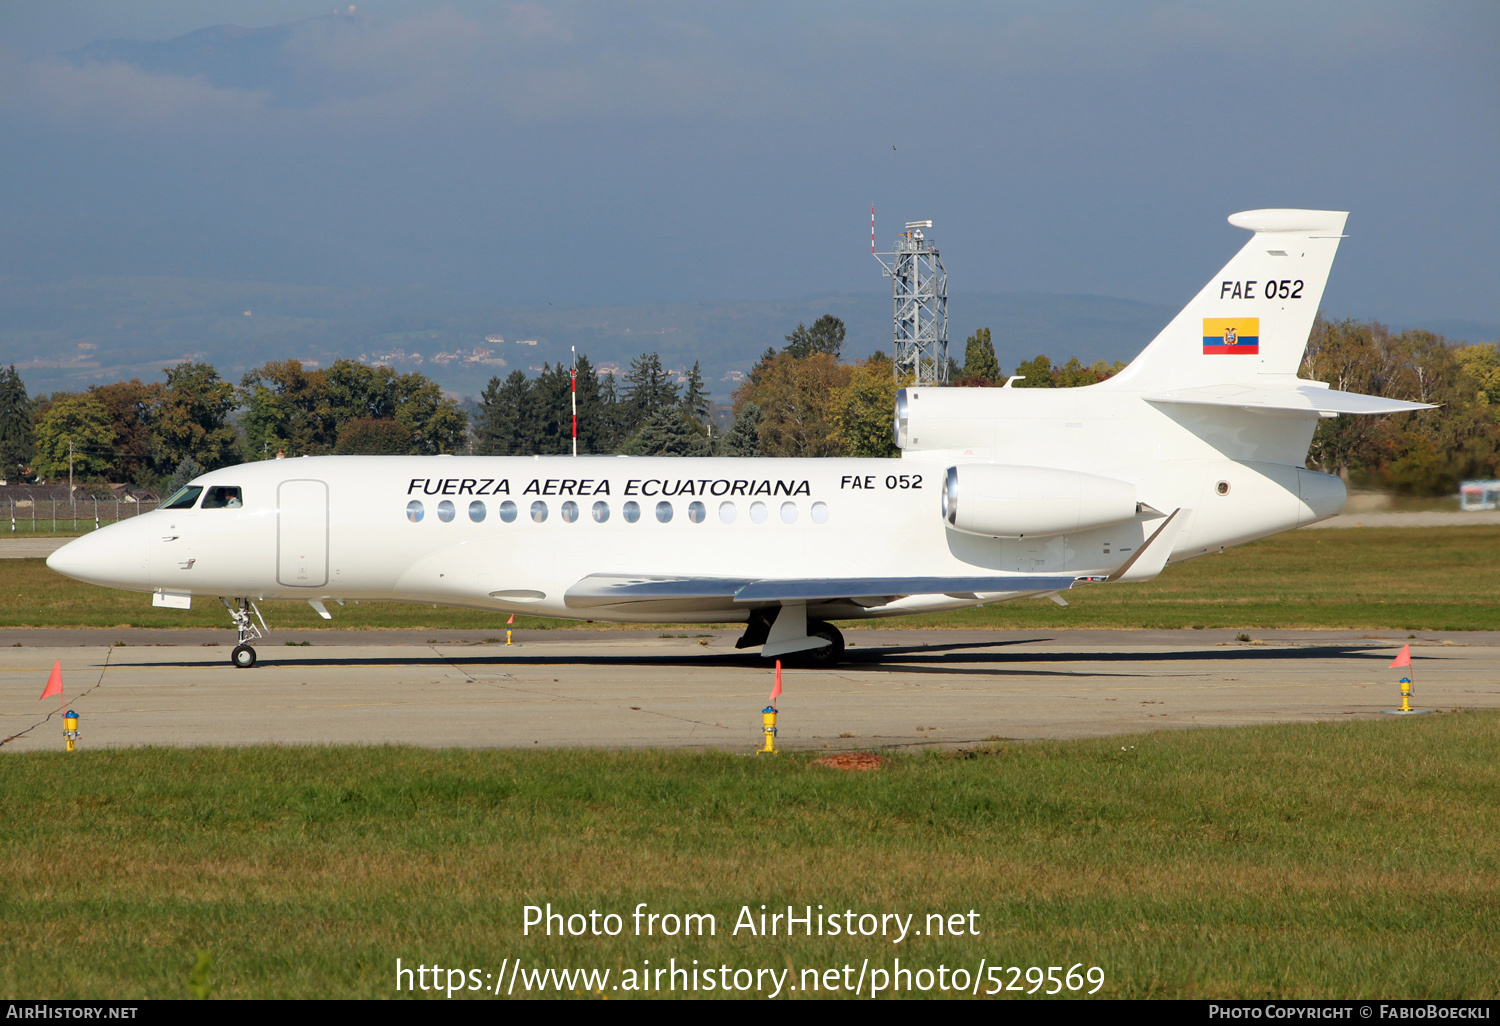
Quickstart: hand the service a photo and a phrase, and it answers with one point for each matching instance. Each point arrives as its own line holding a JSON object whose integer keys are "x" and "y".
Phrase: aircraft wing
{"x": 1308, "y": 397}
{"x": 614, "y": 589}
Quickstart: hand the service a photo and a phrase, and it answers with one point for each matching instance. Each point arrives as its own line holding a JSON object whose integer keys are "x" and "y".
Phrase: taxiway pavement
{"x": 694, "y": 690}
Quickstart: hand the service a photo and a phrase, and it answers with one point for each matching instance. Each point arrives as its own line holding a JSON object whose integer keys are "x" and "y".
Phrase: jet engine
{"x": 1012, "y": 502}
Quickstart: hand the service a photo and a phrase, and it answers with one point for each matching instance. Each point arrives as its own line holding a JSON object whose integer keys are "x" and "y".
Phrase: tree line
{"x": 1423, "y": 453}
{"x": 158, "y": 434}
{"x": 799, "y": 400}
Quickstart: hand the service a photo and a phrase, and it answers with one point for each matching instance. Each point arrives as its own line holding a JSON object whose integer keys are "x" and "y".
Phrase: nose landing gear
{"x": 246, "y": 630}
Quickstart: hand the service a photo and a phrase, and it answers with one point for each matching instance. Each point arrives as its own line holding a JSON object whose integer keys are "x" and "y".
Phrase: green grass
{"x": 1321, "y": 860}
{"x": 1435, "y": 578}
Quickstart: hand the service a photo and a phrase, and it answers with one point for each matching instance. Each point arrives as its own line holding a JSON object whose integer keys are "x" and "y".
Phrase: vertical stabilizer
{"x": 1254, "y": 317}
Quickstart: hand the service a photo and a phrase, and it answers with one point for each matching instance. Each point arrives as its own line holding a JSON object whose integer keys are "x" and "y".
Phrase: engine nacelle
{"x": 1002, "y": 501}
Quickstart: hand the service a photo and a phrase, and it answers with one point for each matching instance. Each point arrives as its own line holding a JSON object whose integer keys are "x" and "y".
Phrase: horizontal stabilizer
{"x": 1308, "y": 397}
{"x": 613, "y": 589}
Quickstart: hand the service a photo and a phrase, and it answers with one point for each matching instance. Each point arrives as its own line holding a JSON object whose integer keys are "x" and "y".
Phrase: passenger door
{"x": 302, "y": 534}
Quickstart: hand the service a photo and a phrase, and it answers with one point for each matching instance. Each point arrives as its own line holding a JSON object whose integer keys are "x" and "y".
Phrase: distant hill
{"x": 68, "y": 335}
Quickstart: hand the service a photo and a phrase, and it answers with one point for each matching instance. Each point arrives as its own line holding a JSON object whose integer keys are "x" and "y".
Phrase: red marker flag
{"x": 511, "y": 620}
{"x": 1404, "y": 659}
{"x": 54, "y": 682}
{"x": 776, "y": 691}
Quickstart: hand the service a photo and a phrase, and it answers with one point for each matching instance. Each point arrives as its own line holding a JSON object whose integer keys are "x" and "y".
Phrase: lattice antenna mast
{"x": 919, "y": 304}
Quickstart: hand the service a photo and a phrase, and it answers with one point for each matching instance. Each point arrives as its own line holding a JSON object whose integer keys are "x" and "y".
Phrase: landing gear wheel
{"x": 243, "y": 657}
{"x": 823, "y": 656}
{"x": 831, "y": 653}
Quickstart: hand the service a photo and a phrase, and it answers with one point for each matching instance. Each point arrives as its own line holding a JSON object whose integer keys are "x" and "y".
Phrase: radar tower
{"x": 919, "y": 304}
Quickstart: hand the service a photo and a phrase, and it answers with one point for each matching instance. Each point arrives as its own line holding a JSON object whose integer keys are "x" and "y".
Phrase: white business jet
{"x": 999, "y": 494}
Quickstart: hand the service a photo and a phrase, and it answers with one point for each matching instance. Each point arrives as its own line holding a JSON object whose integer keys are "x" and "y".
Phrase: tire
{"x": 830, "y": 654}
{"x": 243, "y": 657}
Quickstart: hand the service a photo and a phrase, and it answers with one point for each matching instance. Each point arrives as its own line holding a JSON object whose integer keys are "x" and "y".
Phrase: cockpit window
{"x": 222, "y": 497}
{"x": 184, "y": 497}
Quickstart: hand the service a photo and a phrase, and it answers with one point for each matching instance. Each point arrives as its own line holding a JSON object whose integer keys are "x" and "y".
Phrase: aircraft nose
{"x": 114, "y": 556}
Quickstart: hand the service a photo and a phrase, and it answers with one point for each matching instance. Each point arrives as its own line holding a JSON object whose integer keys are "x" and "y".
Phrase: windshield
{"x": 184, "y": 497}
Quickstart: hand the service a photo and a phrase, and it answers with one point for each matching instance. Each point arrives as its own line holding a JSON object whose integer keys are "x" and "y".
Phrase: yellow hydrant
{"x": 768, "y": 718}
{"x": 1406, "y": 694}
{"x": 70, "y": 728}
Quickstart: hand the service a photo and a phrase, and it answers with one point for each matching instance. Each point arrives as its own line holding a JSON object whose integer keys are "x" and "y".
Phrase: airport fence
{"x": 77, "y": 515}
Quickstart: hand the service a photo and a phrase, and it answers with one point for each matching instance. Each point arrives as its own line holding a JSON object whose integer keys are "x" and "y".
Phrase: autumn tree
{"x": 865, "y": 409}
{"x": 797, "y": 400}
{"x": 192, "y": 418}
{"x": 286, "y": 410}
{"x": 74, "y": 431}
{"x": 132, "y": 410}
{"x": 373, "y": 436}
{"x": 1035, "y": 373}
{"x": 980, "y": 365}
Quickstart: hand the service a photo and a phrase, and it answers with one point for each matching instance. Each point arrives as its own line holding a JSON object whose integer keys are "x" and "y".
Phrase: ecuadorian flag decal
{"x": 1234, "y": 335}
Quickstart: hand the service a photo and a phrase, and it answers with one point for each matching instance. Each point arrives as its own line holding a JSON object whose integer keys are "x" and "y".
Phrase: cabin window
{"x": 414, "y": 511}
{"x": 631, "y": 511}
{"x": 788, "y": 512}
{"x": 476, "y": 511}
{"x": 223, "y": 497}
{"x": 664, "y": 512}
{"x": 820, "y": 512}
{"x": 601, "y": 512}
{"x": 697, "y": 512}
{"x": 184, "y": 497}
{"x": 727, "y": 512}
{"x": 758, "y": 512}
{"x": 538, "y": 511}
{"x": 570, "y": 512}
{"x": 508, "y": 511}
{"x": 446, "y": 511}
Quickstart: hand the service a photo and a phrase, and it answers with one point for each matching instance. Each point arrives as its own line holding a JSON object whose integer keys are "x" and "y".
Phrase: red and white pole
{"x": 574, "y": 376}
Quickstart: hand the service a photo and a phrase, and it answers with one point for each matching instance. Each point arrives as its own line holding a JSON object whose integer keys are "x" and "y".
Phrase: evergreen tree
{"x": 593, "y": 420}
{"x": 611, "y": 428}
{"x": 17, "y": 438}
{"x": 744, "y": 437}
{"x": 648, "y": 389}
{"x": 551, "y": 411}
{"x": 667, "y": 433}
{"x": 186, "y": 470}
{"x": 695, "y": 398}
{"x": 825, "y": 336}
{"x": 504, "y": 415}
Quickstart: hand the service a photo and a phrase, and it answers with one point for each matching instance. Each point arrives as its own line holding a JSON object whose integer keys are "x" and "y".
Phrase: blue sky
{"x": 584, "y": 153}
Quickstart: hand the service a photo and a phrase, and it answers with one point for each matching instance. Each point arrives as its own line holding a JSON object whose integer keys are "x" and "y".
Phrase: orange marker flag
{"x": 1404, "y": 659}
{"x": 776, "y": 691}
{"x": 54, "y": 682}
{"x": 511, "y": 620}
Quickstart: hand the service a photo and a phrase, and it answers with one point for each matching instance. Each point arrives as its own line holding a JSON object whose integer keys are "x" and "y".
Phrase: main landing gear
{"x": 243, "y": 656}
{"x": 758, "y": 632}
